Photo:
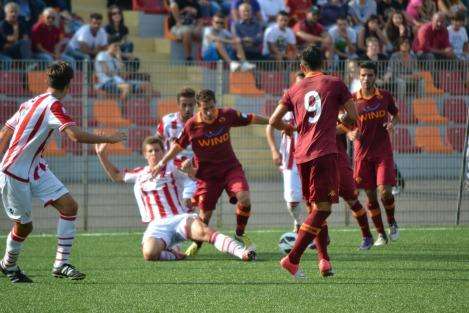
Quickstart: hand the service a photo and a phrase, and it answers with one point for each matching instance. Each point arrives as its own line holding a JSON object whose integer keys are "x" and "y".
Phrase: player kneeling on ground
{"x": 162, "y": 208}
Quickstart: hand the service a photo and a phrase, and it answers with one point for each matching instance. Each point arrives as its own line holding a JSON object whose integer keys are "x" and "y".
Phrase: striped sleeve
{"x": 13, "y": 121}
{"x": 130, "y": 176}
{"x": 58, "y": 118}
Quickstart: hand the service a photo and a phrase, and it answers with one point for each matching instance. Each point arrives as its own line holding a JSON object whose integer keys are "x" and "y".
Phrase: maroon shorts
{"x": 320, "y": 179}
{"x": 209, "y": 191}
{"x": 376, "y": 172}
{"x": 347, "y": 188}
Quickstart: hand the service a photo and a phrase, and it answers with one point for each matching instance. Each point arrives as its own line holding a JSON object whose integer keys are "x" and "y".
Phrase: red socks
{"x": 389, "y": 206}
{"x": 242, "y": 217}
{"x": 375, "y": 214}
{"x": 360, "y": 214}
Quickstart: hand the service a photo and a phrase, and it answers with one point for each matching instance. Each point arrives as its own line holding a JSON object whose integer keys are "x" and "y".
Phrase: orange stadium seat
{"x": 429, "y": 140}
{"x": 167, "y": 31}
{"x": 244, "y": 83}
{"x": 107, "y": 113}
{"x": 116, "y": 148}
{"x": 402, "y": 141}
{"x": 455, "y": 110}
{"x": 455, "y": 137}
{"x": 37, "y": 82}
{"x": 165, "y": 106}
{"x": 12, "y": 83}
{"x": 52, "y": 149}
{"x": 426, "y": 111}
{"x": 429, "y": 84}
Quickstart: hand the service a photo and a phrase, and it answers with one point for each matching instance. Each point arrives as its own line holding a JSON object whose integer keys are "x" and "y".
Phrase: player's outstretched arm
{"x": 5, "y": 135}
{"x": 172, "y": 152}
{"x": 276, "y": 157}
{"x": 78, "y": 135}
{"x": 111, "y": 171}
{"x": 259, "y": 119}
{"x": 276, "y": 120}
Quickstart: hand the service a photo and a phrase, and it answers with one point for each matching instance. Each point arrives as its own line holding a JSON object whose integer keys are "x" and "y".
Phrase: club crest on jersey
{"x": 222, "y": 120}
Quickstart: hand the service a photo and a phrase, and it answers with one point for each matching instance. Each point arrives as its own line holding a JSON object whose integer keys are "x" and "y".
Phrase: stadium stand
{"x": 426, "y": 111}
{"x": 428, "y": 138}
{"x": 455, "y": 110}
{"x": 107, "y": 113}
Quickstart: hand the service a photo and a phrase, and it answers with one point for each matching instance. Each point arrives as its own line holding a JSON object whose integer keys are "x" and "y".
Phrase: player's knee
{"x": 386, "y": 195}
{"x": 244, "y": 200}
{"x": 71, "y": 209}
{"x": 23, "y": 230}
{"x": 150, "y": 253}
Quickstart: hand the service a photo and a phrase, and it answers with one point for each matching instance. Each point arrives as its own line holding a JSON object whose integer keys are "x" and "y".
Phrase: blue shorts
{"x": 211, "y": 53}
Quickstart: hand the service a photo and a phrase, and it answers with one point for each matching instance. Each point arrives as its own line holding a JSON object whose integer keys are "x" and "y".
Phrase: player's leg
{"x": 188, "y": 192}
{"x": 201, "y": 232}
{"x": 386, "y": 178}
{"x": 374, "y": 212}
{"x": 158, "y": 238}
{"x": 292, "y": 196}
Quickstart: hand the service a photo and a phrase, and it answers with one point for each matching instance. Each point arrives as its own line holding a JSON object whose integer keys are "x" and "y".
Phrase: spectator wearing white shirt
{"x": 279, "y": 40}
{"x": 270, "y": 9}
{"x": 458, "y": 36}
{"x": 344, "y": 39}
{"x": 89, "y": 40}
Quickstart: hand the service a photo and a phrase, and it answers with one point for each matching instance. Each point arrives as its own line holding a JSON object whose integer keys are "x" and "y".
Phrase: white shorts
{"x": 17, "y": 196}
{"x": 189, "y": 188}
{"x": 171, "y": 230}
{"x": 292, "y": 185}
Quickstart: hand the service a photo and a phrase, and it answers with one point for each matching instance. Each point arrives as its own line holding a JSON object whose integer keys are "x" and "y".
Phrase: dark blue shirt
{"x": 252, "y": 29}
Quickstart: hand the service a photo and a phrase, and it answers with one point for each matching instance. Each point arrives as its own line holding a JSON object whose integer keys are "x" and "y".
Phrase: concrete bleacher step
{"x": 132, "y": 22}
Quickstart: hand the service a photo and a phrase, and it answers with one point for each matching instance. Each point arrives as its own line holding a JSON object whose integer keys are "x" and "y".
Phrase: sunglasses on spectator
{"x": 219, "y": 22}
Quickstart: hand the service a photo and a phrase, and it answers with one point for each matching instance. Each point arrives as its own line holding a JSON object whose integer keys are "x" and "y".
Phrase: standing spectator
{"x": 458, "y": 36}
{"x": 397, "y": 28}
{"x": 344, "y": 38}
{"x": 270, "y": 9}
{"x": 279, "y": 40}
{"x": 371, "y": 29}
{"x": 420, "y": 11}
{"x": 250, "y": 32}
{"x": 432, "y": 39}
{"x": 297, "y": 9}
{"x": 185, "y": 22}
{"x": 218, "y": 43}
{"x": 89, "y": 40}
{"x": 309, "y": 31}
{"x": 15, "y": 31}
{"x": 331, "y": 11}
{"x": 256, "y": 9}
{"x": 361, "y": 10}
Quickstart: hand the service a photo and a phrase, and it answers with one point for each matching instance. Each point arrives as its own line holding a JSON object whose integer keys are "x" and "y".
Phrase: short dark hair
{"x": 96, "y": 16}
{"x": 219, "y": 15}
{"x": 458, "y": 16}
{"x": 185, "y": 92}
{"x": 282, "y": 13}
{"x": 113, "y": 39}
{"x": 342, "y": 17}
{"x": 402, "y": 40}
{"x": 205, "y": 95}
{"x": 369, "y": 66}
{"x": 300, "y": 74}
{"x": 59, "y": 75}
{"x": 312, "y": 57}
{"x": 152, "y": 140}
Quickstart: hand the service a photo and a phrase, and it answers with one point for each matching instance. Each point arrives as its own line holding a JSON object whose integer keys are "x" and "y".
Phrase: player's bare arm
{"x": 276, "y": 120}
{"x": 350, "y": 117}
{"x": 172, "y": 152}
{"x": 5, "y": 135}
{"x": 390, "y": 125}
{"x": 276, "y": 156}
{"x": 78, "y": 135}
{"x": 111, "y": 170}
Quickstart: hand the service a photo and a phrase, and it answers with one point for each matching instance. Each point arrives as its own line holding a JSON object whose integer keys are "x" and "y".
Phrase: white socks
{"x": 65, "y": 236}
{"x": 225, "y": 244}
{"x": 12, "y": 251}
{"x": 295, "y": 212}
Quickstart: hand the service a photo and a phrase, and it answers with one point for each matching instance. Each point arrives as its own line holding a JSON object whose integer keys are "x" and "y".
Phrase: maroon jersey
{"x": 373, "y": 139}
{"x": 315, "y": 102}
{"x": 211, "y": 143}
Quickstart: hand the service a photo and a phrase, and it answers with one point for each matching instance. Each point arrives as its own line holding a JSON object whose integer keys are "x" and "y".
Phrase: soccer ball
{"x": 286, "y": 242}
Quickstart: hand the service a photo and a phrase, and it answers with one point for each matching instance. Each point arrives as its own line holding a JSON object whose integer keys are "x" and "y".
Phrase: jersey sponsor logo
{"x": 214, "y": 141}
{"x": 373, "y": 115}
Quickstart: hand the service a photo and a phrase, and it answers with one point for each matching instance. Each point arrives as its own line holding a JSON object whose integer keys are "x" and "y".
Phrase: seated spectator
{"x": 420, "y": 11}
{"x": 309, "y": 31}
{"x": 5, "y": 60}
{"x": 402, "y": 69}
{"x": 89, "y": 40}
{"x": 250, "y": 33}
{"x": 360, "y": 11}
{"x": 185, "y": 22}
{"x": 208, "y": 8}
{"x": 344, "y": 39}
{"x": 109, "y": 71}
{"x": 255, "y": 7}
{"x": 219, "y": 44}
{"x": 270, "y": 9}
{"x": 373, "y": 53}
{"x": 458, "y": 36}
{"x": 47, "y": 39}
{"x": 397, "y": 28}
{"x": 371, "y": 29}
{"x": 450, "y": 6}
{"x": 386, "y": 7}
{"x": 297, "y": 9}
{"x": 331, "y": 11}
{"x": 17, "y": 44}
{"x": 331, "y": 59}
{"x": 279, "y": 40}
{"x": 30, "y": 10}
{"x": 432, "y": 40}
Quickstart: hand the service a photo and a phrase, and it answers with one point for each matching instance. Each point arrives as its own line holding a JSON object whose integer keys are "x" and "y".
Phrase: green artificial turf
{"x": 427, "y": 270}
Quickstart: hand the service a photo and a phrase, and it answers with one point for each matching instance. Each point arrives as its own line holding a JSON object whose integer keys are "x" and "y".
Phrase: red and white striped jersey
{"x": 169, "y": 129}
{"x": 32, "y": 126}
{"x": 287, "y": 145}
{"x": 157, "y": 197}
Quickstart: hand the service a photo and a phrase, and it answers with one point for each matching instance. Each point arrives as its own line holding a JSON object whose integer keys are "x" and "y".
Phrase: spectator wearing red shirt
{"x": 432, "y": 39}
{"x": 297, "y": 9}
{"x": 309, "y": 31}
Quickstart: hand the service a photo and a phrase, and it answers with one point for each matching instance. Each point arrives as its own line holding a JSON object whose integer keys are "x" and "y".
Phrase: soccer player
{"x": 315, "y": 103}
{"x": 159, "y": 203}
{"x": 217, "y": 167}
{"x": 374, "y": 165}
{"x": 25, "y": 173}
{"x": 170, "y": 128}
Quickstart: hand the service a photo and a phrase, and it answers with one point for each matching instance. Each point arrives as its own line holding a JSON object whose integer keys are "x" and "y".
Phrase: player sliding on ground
{"x": 25, "y": 173}
{"x": 217, "y": 167}
{"x": 161, "y": 206}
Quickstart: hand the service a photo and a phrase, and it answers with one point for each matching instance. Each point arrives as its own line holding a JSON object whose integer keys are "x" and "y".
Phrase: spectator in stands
{"x": 47, "y": 39}
{"x": 109, "y": 71}
{"x": 5, "y": 60}
{"x": 270, "y": 9}
{"x": 360, "y": 11}
{"x": 309, "y": 31}
{"x": 30, "y": 10}
{"x": 373, "y": 53}
{"x": 297, "y": 9}
{"x": 185, "y": 22}
{"x": 371, "y": 29}
{"x": 279, "y": 40}
{"x": 450, "y": 6}
{"x": 331, "y": 59}
{"x": 16, "y": 33}
{"x": 397, "y": 28}
{"x": 89, "y": 40}
{"x": 331, "y": 11}
{"x": 255, "y": 7}
{"x": 218, "y": 43}
{"x": 421, "y": 11}
{"x": 344, "y": 39}
{"x": 432, "y": 40}
{"x": 250, "y": 33}
{"x": 458, "y": 36}
{"x": 402, "y": 68}
{"x": 386, "y": 7}
{"x": 351, "y": 76}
